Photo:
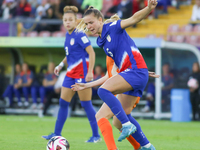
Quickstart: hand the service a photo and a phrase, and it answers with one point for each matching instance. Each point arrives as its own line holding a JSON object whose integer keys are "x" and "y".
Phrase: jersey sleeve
{"x": 116, "y": 26}
{"x": 83, "y": 40}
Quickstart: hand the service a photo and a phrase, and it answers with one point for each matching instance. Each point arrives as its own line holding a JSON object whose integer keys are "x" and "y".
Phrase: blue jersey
{"x": 77, "y": 57}
{"x": 117, "y": 44}
{"x": 26, "y": 76}
{"x": 50, "y": 76}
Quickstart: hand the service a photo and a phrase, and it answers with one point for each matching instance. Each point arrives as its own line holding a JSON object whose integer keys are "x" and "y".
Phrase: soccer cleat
{"x": 126, "y": 131}
{"x": 48, "y": 137}
{"x": 94, "y": 139}
{"x": 150, "y": 148}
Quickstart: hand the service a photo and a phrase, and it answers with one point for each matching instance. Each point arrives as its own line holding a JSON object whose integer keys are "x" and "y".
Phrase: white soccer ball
{"x": 58, "y": 143}
{"x": 193, "y": 83}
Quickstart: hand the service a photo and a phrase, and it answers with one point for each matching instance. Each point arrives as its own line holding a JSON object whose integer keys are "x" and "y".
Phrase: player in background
{"x": 105, "y": 113}
{"x": 15, "y": 88}
{"x": 133, "y": 73}
{"x": 47, "y": 83}
{"x": 80, "y": 58}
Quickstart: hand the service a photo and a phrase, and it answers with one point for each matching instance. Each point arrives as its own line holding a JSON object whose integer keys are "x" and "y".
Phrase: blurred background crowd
{"x": 43, "y": 18}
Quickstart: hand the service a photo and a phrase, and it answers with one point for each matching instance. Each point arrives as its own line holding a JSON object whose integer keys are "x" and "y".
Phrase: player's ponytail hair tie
{"x": 70, "y": 9}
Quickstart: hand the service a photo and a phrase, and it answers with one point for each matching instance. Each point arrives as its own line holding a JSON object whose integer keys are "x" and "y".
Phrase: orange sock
{"x": 106, "y": 130}
{"x": 133, "y": 142}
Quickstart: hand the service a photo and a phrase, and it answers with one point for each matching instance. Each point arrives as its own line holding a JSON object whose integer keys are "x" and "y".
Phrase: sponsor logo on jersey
{"x": 85, "y": 39}
{"x": 72, "y": 41}
{"x": 109, "y": 38}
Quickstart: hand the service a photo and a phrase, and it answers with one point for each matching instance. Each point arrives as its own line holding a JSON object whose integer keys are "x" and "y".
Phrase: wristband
{"x": 61, "y": 64}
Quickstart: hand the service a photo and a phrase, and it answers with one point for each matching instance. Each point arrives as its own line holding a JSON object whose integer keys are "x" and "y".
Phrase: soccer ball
{"x": 58, "y": 143}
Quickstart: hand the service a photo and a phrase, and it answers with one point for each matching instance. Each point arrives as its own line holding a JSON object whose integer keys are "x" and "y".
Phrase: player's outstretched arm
{"x": 90, "y": 51}
{"x": 59, "y": 67}
{"x": 82, "y": 86}
{"x": 138, "y": 16}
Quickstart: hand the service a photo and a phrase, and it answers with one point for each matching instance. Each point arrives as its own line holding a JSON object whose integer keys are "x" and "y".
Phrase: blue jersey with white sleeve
{"x": 77, "y": 57}
{"x": 117, "y": 44}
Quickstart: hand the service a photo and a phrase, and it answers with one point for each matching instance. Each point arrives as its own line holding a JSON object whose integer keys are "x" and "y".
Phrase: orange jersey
{"x": 109, "y": 64}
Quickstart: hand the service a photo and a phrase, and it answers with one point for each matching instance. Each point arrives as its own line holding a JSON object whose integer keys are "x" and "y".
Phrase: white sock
{"x": 147, "y": 145}
{"x": 127, "y": 123}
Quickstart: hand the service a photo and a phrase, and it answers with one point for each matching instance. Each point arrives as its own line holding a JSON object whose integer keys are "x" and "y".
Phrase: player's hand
{"x": 89, "y": 77}
{"x": 152, "y": 4}
{"x": 153, "y": 74}
{"x": 79, "y": 86}
{"x": 57, "y": 70}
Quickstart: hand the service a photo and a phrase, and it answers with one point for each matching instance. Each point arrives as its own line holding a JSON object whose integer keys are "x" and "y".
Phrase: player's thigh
{"x": 104, "y": 112}
{"x": 85, "y": 95}
{"x": 127, "y": 102}
{"x": 67, "y": 94}
{"x": 117, "y": 84}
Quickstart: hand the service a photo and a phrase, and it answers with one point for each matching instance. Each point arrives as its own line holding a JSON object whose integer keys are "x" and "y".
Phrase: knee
{"x": 98, "y": 116}
{"x": 86, "y": 104}
{"x": 128, "y": 110}
{"x": 117, "y": 123}
{"x": 99, "y": 91}
{"x": 63, "y": 103}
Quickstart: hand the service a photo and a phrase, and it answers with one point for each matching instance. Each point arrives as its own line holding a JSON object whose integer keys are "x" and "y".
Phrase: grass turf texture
{"x": 24, "y": 133}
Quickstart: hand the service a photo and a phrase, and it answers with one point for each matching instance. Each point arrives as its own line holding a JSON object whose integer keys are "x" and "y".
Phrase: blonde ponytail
{"x": 112, "y": 19}
{"x": 81, "y": 27}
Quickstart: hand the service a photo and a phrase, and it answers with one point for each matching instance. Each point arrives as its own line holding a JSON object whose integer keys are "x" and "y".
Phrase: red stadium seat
{"x": 192, "y": 39}
{"x": 186, "y": 28}
{"x": 45, "y": 34}
{"x": 173, "y": 28}
{"x": 178, "y": 38}
{"x": 32, "y": 34}
{"x": 58, "y": 34}
{"x": 196, "y": 28}
{"x": 62, "y": 28}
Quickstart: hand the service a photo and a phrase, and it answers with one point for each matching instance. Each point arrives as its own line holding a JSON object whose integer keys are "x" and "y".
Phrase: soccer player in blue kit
{"x": 80, "y": 58}
{"x": 133, "y": 72}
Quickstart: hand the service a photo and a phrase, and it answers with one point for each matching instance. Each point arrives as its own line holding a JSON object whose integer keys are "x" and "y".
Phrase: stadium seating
{"x": 196, "y": 28}
{"x": 178, "y": 38}
{"x": 193, "y": 39}
{"x": 186, "y": 28}
{"x": 173, "y": 28}
{"x": 32, "y": 34}
{"x": 58, "y": 34}
{"x": 44, "y": 34}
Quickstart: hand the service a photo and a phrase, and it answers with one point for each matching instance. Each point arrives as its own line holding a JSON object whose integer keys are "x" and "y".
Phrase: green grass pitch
{"x": 24, "y": 133}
